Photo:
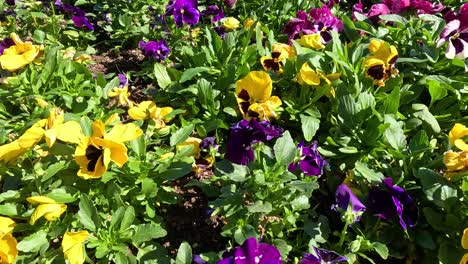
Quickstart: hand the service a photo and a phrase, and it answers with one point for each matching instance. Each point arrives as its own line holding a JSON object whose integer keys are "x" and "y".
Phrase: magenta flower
{"x": 184, "y": 12}
{"x": 245, "y": 133}
{"x": 456, "y": 34}
{"x": 345, "y": 198}
{"x": 311, "y": 162}
{"x": 322, "y": 256}
{"x": 155, "y": 49}
{"x": 392, "y": 200}
{"x": 252, "y": 252}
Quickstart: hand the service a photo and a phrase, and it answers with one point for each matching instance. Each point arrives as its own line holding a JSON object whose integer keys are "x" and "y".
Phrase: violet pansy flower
{"x": 155, "y": 49}
{"x": 123, "y": 81}
{"x": 207, "y": 143}
{"x": 215, "y": 12}
{"x": 311, "y": 162}
{"x": 184, "y": 12}
{"x": 245, "y": 133}
{"x": 78, "y": 16}
{"x": 322, "y": 256}
{"x": 391, "y": 201}
{"x": 252, "y": 252}
{"x": 345, "y": 198}
{"x": 456, "y": 34}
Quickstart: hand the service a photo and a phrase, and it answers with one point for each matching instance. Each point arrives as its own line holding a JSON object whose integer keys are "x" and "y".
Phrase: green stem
{"x": 343, "y": 234}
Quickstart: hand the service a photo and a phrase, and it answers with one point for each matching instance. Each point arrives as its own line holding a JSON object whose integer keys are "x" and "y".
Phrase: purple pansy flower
{"x": 252, "y": 252}
{"x": 214, "y": 11}
{"x": 230, "y": 3}
{"x": 123, "y": 81}
{"x": 184, "y": 12}
{"x": 322, "y": 256}
{"x": 456, "y": 34}
{"x": 311, "y": 162}
{"x": 5, "y": 44}
{"x": 392, "y": 200}
{"x": 344, "y": 198}
{"x": 156, "y": 49}
{"x": 318, "y": 20}
{"x": 78, "y": 16}
{"x": 245, "y": 133}
{"x": 207, "y": 143}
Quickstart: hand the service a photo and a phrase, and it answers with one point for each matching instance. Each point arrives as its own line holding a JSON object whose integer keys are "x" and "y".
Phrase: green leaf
{"x": 260, "y": 207}
{"x": 192, "y": 72}
{"x": 181, "y": 135}
{"x": 244, "y": 232}
{"x": 88, "y": 214}
{"x": 436, "y": 89}
{"x": 419, "y": 142}
{"x": 300, "y": 203}
{"x": 381, "y": 249}
{"x": 362, "y": 170}
{"x": 39, "y": 36}
{"x": 8, "y": 209}
{"x": 184, "y": 254}
{"x": 34, "y": 242}
{"x": 128, "y": 218}
{"x": 422, "y": 112}
{"x": 233, "y": 171}
{"x": 285, "y": 149}
{"x": 52, "y": 170}
{"x": 177, "y": 170}
{"x": 309, "y": 125}
{"x": 392, "y": 101}
{"x": 147, "y": 232}
{"x": 394, "y": 18}
{"x": 436, "y": 188}
{"x": 161, "y": 75}
{"x": 282, "y": 247}
{"x": 394, "y": 134}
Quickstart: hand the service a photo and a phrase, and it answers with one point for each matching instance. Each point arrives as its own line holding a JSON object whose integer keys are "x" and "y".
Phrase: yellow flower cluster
{"x": 457, "y": 161}
{"x": 19, "y": 55}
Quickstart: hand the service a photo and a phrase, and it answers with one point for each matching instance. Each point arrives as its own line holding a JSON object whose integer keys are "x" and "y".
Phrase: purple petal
{"x": 450, "y": 29}
{"x": 344, "y": 196}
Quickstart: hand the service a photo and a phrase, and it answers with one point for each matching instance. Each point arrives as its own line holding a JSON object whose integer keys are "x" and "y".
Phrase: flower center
{"x": 93, "y": 154}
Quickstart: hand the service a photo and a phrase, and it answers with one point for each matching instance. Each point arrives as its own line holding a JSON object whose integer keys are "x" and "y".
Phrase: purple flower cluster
{"x": 184, "y": 12}
{"x": 397, "y": 7}
{"x": 311, "y": 162}
{"x": 252, "y": 252}
{"x": 245, "y": 133}
{"x": 392, "y": 200}
{"x": 456, "y": 33}
{"x": 322, "y": 256}
{"x": 5, "y": 44}
{"x": 318, "y": 20}
{"x": 155, "y": 49}
{"x": 78, "y": 16}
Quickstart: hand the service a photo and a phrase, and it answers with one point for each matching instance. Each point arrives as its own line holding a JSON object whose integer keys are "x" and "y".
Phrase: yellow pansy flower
{"x": 254, "y": 96}
{"x": 41, "y": 103}
{"x": 280, "y": 52}
{"x": 309, "y": 76}
{"x": 47, "y": 207}
{"x": 464, "y": 259}
{"x": 313, "y": 41}
{"x": 94, "y": 153}
{"x": 456, "y": 136}
{"x": 230, "y": 23}
{"x": 381, "y": 64}
{"x": 6, "y": 225}
{"x": 248, "y": 23}
{"x": 287, "y": 51}
{"x": 191, "y": 141}
{"x": 149, "y": 110}
{"x": 123, "y": 94}
{"x": 456, "y": 161}
{"x": 8, "y": 251}
{"x": 19, "y": 55}
{"x": 73, "y": 246}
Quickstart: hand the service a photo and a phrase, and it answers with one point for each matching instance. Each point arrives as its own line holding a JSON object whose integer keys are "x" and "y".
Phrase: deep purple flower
{"x": 322, "y": 256}
{"x": 10, "y": 2}
{"x": 207, "y": 143}
{"x": 391, "y": 200}
{"x": 230, "y": 3}
{"x": 345, "y": 197}
{"x": 311, "y": 162}
{"x": 184, "y": 12}
{"x": 198, "y": 260}
{"x": 78, "y": 16}
{"x": 456, "y": 34}
{"x": 5, "y": 44}
{"x": 252, "y": 252}
{"x": 214, "y": 11}
{"x": 245, "y": 133}
{"x": 123, "y": 81}
{"x": 220, "y": 30}
{"x": 158, "y": 50}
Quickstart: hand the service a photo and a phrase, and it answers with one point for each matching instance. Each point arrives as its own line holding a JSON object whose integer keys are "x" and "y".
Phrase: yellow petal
{"x": 98, "y": 129}
{"x": 383, "y": 51}
{"x": 115, "y": 151}
{"x": 50, "y": 137}
{"x": 456, "y": 161}
{"x": 257, "y": 84}
{"x": 40, "y": 200}
{"x": 50, "y": 211}
{"x": 311, "y": 41}
{"x": 124, "y": 132}
{"x": 8, "y": 251}
{"x": 11, "y": 151}
{"x": 286, "y": 50}
{"x": 33, "y": 135}
{"x": 113, "y": 118}
{"x": 16, "y": 39}
{"x": 41, "y": 103}
{"x": 372, "y": 61}
{"x": 70, "y": 132}
{"x": 73, "y": 246}
{"x": 308, "y": 76}
{"x": 464, "y": 240}
{"x": 163, "y": 112}
{"x": 194, "y": 143}
{"x": 456, "y": 136}
{"x": 464, "y": 259}
{"x": 230, "y": 23}
{"x": 6, "y": 225}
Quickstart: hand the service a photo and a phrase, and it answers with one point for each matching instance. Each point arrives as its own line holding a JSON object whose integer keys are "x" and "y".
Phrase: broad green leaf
{"x": 309, "y": 125}
{"x": 181, "y": 135}
{"x": 361, "y": 169}
{"x": 285, "y": 149}
{"x": 88, "y": 214}
{"x": 128, "y": 218}
{"x": 233, "y": 171}
{"x": 147, "y": 232}
{"x": 33, "y": 242}
{"x": 244, "y": 232}
{"x": 394, "y": 134}
{"x": 177, "y": 170}
{"x": 192, "y": 72}
{"x": 161, "y": 75}
{"x": 184, "y": 254}
{"x": 437, "y": 90}
{"x": 422, "y": 112}
{"x": 260, "y": 207}
{"x": 392, "y": 101}
{"x": 381, "y": 249}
